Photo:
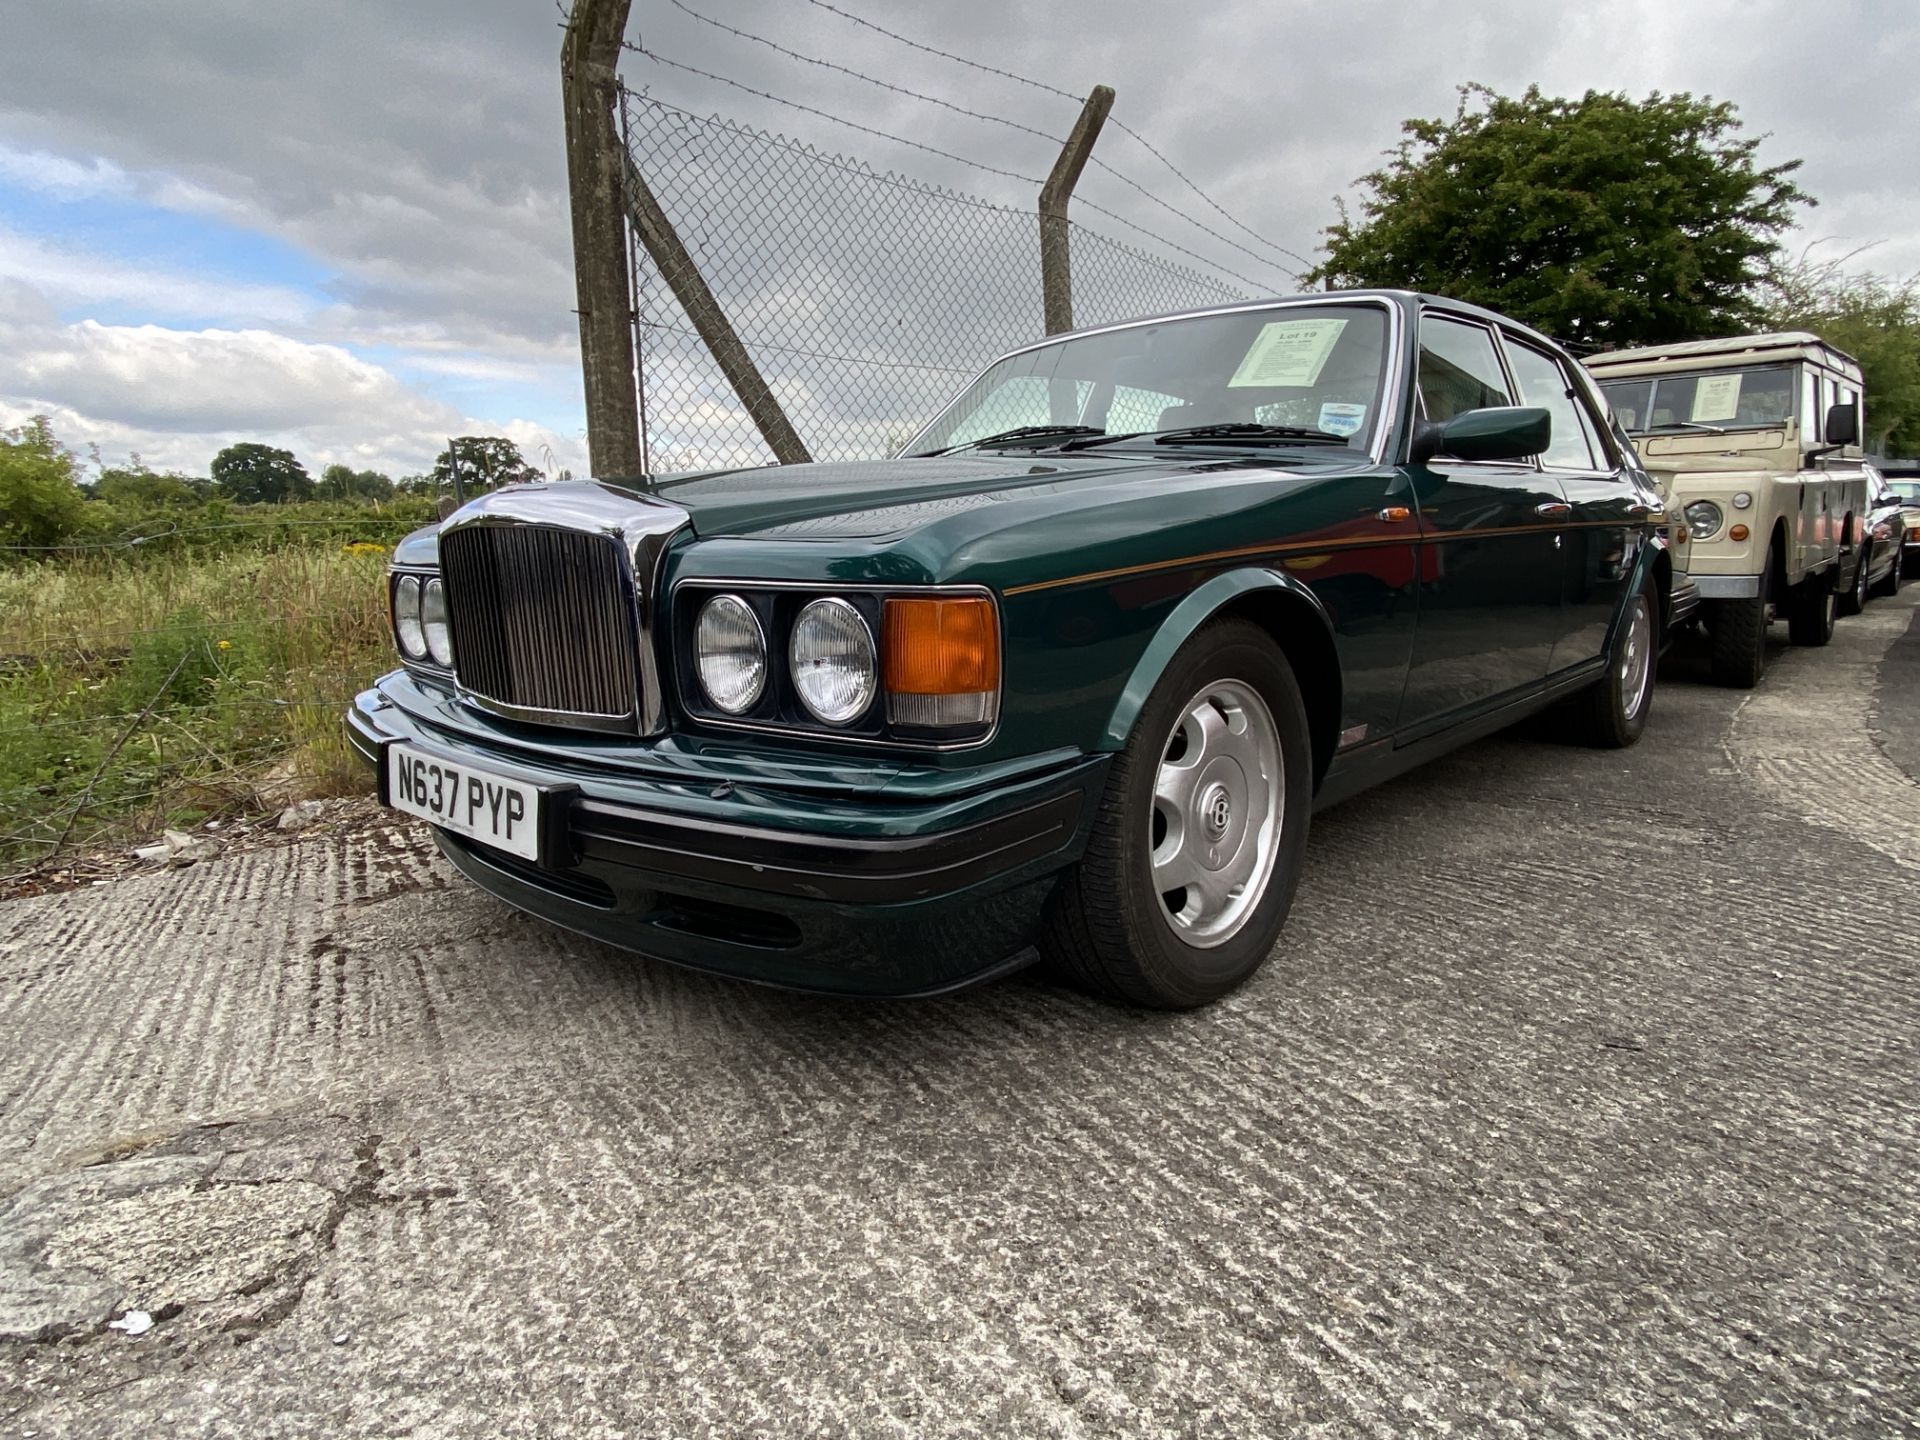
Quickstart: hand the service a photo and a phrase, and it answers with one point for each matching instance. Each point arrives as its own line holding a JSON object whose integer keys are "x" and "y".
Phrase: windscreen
{"x": 1704, "y": 400}
{"x": 1316, "y": 368}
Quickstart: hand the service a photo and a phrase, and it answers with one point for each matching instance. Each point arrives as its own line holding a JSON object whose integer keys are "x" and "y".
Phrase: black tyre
{"x": 1612, "y": 712}
{"x": 1812, "y": 611}
{"x": 1855, "y": 600}
{"x": 1196, "y": 851}
{"x": 1739, "y": 632}
{"x": 1891, "y": 584}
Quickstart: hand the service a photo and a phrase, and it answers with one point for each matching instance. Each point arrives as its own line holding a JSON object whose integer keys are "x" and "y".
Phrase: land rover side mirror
{"x": 1500, "y": 432}
{"x": 1843, "y": 424}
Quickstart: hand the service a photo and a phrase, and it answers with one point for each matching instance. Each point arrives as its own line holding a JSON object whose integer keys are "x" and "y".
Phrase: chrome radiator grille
{"x": 543, "y": 620}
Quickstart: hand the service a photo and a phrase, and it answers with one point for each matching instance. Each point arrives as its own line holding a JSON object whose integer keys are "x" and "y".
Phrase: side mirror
{"x": 1843, "y": 424}
{"x": 1500, "y": 432}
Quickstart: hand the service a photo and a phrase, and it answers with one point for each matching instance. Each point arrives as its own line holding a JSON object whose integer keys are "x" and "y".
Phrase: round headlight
{"x": 732, "y": 653}
{"x": 832, "y": 660}
{"x": 1704, "y": 519}
{"x": 433, "y": 620}
{"x": 406, "y": 618}
{"x": 1742, "y": 500}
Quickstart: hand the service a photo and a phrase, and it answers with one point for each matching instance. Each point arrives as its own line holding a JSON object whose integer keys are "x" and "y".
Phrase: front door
{"x": 1490, "y": 609}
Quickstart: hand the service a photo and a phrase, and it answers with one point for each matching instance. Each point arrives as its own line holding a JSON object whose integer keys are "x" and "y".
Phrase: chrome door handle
{"x": 1553, "y": 507}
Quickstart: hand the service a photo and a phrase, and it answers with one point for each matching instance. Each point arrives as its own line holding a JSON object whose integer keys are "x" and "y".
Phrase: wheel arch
{"x": 1280, "y": 605}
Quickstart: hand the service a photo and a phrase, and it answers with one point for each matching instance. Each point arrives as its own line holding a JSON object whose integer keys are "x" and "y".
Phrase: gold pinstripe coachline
{"x": 1298, "y": 547}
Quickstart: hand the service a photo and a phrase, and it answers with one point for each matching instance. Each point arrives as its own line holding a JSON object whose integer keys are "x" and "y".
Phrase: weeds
{"x": 168, "y": 688}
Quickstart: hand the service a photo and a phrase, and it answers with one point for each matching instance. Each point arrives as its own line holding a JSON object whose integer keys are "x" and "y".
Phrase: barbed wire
{"x": 1119, "y": 125}
{"x": 183, "y": 532}
{"x": 980, "y": 165}
{"x": 862, "y": 296}
{"x": 1096, "y": 161}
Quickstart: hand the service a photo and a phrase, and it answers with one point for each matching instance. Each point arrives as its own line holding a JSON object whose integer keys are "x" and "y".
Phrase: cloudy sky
{"x": 341, "y": 225}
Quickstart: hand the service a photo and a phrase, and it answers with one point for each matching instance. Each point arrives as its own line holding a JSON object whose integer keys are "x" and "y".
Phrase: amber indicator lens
{"x": 942, "y": 661}
{"x": 1738, "y": 532}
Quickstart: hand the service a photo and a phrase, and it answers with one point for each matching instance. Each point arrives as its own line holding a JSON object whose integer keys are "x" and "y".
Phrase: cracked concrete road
{"x": 1580, "y": 1099}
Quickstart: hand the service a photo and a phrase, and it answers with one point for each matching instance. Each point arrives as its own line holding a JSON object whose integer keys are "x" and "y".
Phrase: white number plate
{"x": 475, "y": 803}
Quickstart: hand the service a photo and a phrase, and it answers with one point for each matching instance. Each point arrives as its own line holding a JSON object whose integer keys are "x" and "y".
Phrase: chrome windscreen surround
{"x": 637, "y": 529}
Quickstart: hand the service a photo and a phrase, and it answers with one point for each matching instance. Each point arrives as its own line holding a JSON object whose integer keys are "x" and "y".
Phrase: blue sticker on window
{"x": 1341, "y": 419}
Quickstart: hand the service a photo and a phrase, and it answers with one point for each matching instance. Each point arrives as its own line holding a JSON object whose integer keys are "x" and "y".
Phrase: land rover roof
{"x": 1785, "y": 345}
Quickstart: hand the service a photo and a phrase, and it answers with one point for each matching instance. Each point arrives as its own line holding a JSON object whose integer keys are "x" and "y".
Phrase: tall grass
{"x": 173, "y": 687}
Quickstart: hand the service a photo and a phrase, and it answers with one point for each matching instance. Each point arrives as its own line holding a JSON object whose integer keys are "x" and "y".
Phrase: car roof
{"x": 1774, "y": 345}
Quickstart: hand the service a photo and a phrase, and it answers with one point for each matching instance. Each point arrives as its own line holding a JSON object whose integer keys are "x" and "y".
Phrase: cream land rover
{"x": 1755, "y": 439}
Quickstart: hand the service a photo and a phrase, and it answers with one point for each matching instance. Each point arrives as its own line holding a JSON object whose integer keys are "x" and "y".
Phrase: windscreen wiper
{"x": 1684, "y": 425}
{"x": 1241, "y": 430}
{"x": 1019, "y": 432}
{"x": 1232, "y": 430}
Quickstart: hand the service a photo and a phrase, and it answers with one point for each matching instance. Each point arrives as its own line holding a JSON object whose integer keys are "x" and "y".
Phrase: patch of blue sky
{"x": 479, "y": 384}
{"x": 125, "y": 230}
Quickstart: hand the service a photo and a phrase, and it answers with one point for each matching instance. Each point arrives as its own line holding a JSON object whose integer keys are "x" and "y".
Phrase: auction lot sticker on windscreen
{"x": 1287, "y": 353}
{"x": 1716, "y": 397}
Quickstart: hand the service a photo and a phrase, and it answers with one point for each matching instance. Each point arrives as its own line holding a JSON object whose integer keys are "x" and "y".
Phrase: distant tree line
{"x": 47, "y": 497}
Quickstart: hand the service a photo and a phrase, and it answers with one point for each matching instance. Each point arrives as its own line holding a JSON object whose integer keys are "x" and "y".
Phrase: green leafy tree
{"x": 40, "y": 499}
{"x": 133, "y": 484}
{"x": 343, "y": 482}
{"x": 1604, "y": 221}
{"x": 1874, "y": 319}
{"x": 486, "y": 463}
{"x": 260, "y": 475}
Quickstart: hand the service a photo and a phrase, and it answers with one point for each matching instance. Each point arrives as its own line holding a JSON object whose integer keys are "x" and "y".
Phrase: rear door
{"x": 1600, "y": 539}
{"x": 1490, "y": 606}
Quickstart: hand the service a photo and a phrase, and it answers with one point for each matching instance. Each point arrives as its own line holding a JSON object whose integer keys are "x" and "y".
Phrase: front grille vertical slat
{"x": 543, "y": 620}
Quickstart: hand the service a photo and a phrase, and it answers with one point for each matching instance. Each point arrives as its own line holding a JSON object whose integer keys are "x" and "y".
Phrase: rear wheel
{"x": 1195, "y": 854}
{"x": 1891, "y": 584}
{"x": 1855, "y": 600}
{"x": 1811, "y": 613}
{"x": 1613, "y": 711}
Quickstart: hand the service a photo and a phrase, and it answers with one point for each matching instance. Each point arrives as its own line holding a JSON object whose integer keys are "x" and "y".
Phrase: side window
{"x": 1810, "y": 415}
{"x": 1459, "y": 369}
{"x": 1542, "y": 382}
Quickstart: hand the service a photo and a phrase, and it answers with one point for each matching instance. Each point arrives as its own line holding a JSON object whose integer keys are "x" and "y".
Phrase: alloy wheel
{"x": 1218, "y": 797}
{"x": 1636, "y": 659}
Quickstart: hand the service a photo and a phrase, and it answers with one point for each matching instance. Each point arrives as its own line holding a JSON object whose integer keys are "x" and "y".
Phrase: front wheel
{"x": 1612, "y": 712}
{"x": 1739, "y": 631}
{"x": 1196, "y": 851}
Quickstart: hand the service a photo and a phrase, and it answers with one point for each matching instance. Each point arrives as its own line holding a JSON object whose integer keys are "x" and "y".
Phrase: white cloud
{"x": 177, "y": 396}
{"x": 75, "y": 277}
{"x": 61, "y": 176}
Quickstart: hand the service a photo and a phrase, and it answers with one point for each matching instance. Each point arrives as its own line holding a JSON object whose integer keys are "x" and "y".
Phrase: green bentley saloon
{"x": 1071, "y": 673}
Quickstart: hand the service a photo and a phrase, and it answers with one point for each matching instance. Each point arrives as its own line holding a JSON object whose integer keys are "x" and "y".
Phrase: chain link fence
{"x": 866, "y": 299}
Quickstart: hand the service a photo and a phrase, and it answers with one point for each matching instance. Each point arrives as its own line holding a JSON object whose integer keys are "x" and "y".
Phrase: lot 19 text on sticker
{"x": 482, "y": 806}
{"x": 1287, "y": 353}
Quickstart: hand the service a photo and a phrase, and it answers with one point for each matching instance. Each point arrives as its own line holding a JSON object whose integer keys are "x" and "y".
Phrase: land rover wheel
{"x": 1739, "y": 632}
{"x": 1612, "y": 712}
{"x": 1196, "y": 851}
{"x": 1811, "y": 614}
{"x": 1855, "y": 600}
